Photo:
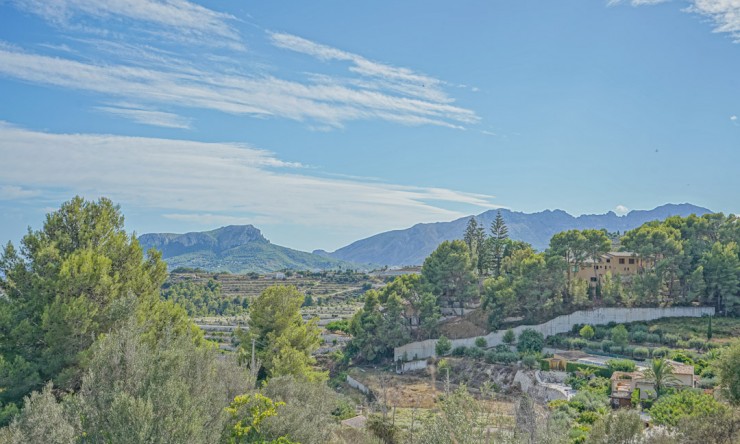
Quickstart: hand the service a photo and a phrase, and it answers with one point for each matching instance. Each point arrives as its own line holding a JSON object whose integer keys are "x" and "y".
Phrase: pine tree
{"x": 499, "y": 236}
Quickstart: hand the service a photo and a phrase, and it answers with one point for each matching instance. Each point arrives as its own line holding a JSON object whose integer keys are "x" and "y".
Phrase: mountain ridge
{"x": 233, "y": 248}
{"x": 412, "y": 245}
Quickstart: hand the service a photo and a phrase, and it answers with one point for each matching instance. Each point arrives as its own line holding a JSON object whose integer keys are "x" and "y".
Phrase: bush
{"x": 490, "y": 357}
{"x": 641, "y": 353}
{"x": 696, "y": 343}
{"x": 443, "y": 346}
{"x": 652, "y": 338}
{"x": 530, "y": 341}
{"x": 544, "y": 365}
{"x": 557, "y": 341}
{"x": 621, "y": 365}
{"x": 670, "y": 339}
{"x": 335, "y": 326}
{"x": 459, "y": 351}
{"x": 661, "y": 352}
{"x": 572, "y": 367}
{"x": 505, "y": 357}
{"x": 474, "y": 352}
{"x": 509, "y": 337}
{"x": 606, "y": 345}
{"x": 639, "y": 337}
{"x": 502, "y": 348}
{"x": 481, "y": 342}
{"x": 530, "y": 361}
{"x": 587, "y": 332}
{"x": 577, "y": 343}
{"x": 683, "y": 344}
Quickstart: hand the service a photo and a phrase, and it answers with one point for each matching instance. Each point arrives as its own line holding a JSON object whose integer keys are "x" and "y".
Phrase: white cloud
{"x": 214, "y": 182}
{"x": 636, "y": 2}
{"x": 232, "y": 93}
{"x": 724, "y": 13}
{"x": 188, "y": 20}
{"x": 11, "y": 192}
{"x": 402, "y": 80}
{"x": 148, "y": 116}
{"x": 621, "y": 210}
{"x": 733, "y": 118}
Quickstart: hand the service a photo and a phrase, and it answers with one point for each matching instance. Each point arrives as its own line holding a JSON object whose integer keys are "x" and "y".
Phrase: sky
{"x": 325, "y": 122}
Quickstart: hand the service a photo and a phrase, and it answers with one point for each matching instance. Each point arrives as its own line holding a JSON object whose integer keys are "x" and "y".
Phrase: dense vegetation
{"x": 89, "y": 352}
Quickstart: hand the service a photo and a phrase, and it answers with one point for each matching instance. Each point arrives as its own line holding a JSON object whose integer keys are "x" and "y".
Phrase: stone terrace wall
{"x": 561, "y": 324}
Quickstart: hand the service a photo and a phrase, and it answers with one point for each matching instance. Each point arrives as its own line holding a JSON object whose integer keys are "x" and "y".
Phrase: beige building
{"x": 621, "y": 263}
{"x": 625, "y": 383}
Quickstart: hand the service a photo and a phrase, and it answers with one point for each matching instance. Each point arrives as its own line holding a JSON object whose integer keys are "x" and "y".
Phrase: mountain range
{"x": 412, "y": 245}
{"x": 236, "y": 249}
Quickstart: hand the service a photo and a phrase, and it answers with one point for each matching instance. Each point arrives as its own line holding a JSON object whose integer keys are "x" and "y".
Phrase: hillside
{"x": 236, "y": 249}
{"x": 412, "y": 245}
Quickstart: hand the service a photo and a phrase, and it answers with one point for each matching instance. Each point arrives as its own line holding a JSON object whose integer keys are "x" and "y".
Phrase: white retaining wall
{"x": 561, "y": 324}
{"x": 357, "y": 384}
{"x": 411, "y": 366}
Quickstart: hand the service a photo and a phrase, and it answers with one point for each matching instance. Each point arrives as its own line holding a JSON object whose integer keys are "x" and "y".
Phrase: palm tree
{"x": 661, "y": 374}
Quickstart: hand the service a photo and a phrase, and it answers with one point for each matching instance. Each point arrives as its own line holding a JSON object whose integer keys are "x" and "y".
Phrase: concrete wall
{"x": 561, "y": 324}
{"x": 411, "y": 366}
{"x": 357, "y": 384}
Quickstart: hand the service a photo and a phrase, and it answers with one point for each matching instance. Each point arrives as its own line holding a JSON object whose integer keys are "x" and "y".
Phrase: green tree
{"x": 74, "y": 279}
{"x": 587, "y": 332}
{"x": 284, "y": 343}
{"x": 509, "y": 337}
{"x": 572, "y": 246}
{"x": 499, "y": 236}
{"x": 530, "y": 341}
{"x": 729, "y": 372}
{"x": 475, "y": 239}
{"x": 722, "y": 276}
{"x": 671, "y": 409}
{"x": 449, "y": 274}
{"x": 709, "y": 329}
{"x": 249, "y": 412}
{"x": 596, "y": 244}
{"x": 620, "y": 336}
{"x": 621, "y": 427}
{"x": 443, "y": 346}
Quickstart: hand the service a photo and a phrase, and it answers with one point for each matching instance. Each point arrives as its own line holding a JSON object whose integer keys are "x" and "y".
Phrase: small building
{"x": 625, "y": 383}
{"x": 622, "y": 263}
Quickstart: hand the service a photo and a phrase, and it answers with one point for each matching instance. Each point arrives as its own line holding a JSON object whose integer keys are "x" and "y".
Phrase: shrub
{"x": 557, "y": 341}
{"x": 490, "y": 357}
{"x": 682, "y": 356}
{"x": 652, "y": 338}
{"x": 621, "y": 365}
{"x": 530, "y": 341}
{"x": 502, "y": 348}
{"x": 474, "y": 352}
{"x": 593, "y": 345}
{"x": 509, "y": 337}
{"x": 683, "y": 344}
{"x": 443, "y": 346}
{"x": 506, "y": 357}
{"x": 577, "y": 343}
{"x": 335, "y": 326}
{"x": 696, "y": 343}
{"x": 661, "y": 352}
{"x": 606, "y": 345}
{"x": 529, "y": 361}
{"x": 544, "y": 365}
{"x": 641, "y": 353}
{"x": 459, "y": 351}
{"x": 587, "y": 332}
{"x": 639, "y": 336}
{"x": 481, "y": 342}
{"x": 628, "y": 351}
{"x": 670, "y": 339}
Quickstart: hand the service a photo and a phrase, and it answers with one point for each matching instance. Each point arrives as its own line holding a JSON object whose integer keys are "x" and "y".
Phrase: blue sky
{"x": 325, "y": 122}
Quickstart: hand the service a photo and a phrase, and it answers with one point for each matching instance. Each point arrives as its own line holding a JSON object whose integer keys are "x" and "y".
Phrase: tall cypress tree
{"x": 499, "y": 236}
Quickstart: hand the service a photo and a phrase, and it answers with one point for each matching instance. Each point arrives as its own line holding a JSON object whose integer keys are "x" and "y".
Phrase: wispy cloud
{"x": 11, "y": 192}
{"x": 402, "y": 80}
{"x": 148, "y": 116}
{"x": 187, "y": 19}
{"x": 235, "y": 182}
{"x": 724, "y": 14}
{"x": 230, "y": 92}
